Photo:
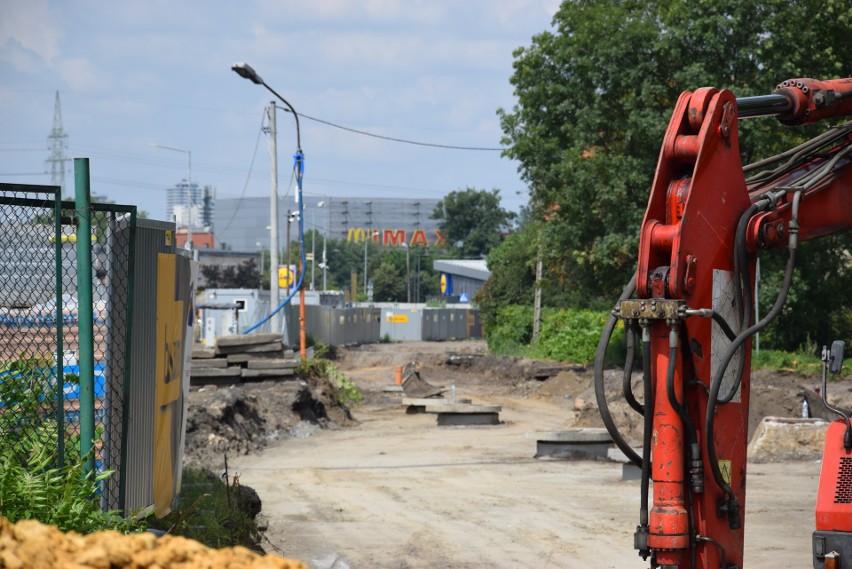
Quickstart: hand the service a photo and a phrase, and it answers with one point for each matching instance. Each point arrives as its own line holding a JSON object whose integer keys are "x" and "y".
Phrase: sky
{"x": 135, "y": 73}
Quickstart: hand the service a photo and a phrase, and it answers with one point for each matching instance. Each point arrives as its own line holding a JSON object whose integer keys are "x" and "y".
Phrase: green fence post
{"x": 60, "y": 331}
{"x": 85, "y": 308}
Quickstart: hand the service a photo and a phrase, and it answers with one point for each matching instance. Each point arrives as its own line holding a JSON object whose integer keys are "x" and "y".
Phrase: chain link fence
{"x": 40, "y": 335}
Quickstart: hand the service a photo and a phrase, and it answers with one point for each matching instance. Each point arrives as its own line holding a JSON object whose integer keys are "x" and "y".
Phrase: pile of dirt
{"x": 238, "y": 420}
{"x": 23, "y": 546}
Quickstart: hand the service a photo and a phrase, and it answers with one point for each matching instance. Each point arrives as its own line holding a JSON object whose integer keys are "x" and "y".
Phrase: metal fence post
{"x": 85, "y": 307}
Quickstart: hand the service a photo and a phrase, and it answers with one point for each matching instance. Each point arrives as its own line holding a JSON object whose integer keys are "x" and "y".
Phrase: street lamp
{"x": 247, "y": 72}
{"x": 188, "y": 244}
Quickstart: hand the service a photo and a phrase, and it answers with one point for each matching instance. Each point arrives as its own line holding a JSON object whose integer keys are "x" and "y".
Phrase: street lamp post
{"x": 188, "y": 244}
{"x": 245, "y": 71}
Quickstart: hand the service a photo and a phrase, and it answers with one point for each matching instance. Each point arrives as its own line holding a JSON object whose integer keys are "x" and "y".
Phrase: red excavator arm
{"x": 705, "y": 223}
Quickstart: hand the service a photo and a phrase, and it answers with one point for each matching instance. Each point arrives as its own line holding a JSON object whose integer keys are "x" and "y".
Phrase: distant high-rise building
{"x": 184, "y": 203}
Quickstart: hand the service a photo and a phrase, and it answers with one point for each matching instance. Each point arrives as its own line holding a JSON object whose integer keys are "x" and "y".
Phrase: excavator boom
{"x": 691, "y": 301}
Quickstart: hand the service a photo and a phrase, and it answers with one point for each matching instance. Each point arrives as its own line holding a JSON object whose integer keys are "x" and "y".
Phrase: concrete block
{"x": 629, "y": 471}
{"x": 573, "y": 444}
{"x": 414, "y": 405}
{"x": 779, "y": 439}
{"x": 214, "y": 372}
{"x": 203, "y": 353}
{"x": 266, "y": 373}
{"x": 247, "y": 339}
{"x": 250, "y": 349}
{"x": 272, "y": 363}
{"x": 464, "y": 415}
{"x": 207, "y": 364}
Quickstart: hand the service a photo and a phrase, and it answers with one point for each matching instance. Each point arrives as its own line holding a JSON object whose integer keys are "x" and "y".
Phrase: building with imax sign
{"x": 242, "y": 224}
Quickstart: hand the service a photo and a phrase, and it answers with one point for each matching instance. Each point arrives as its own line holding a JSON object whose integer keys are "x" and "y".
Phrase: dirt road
{"x": 397, "y": 491}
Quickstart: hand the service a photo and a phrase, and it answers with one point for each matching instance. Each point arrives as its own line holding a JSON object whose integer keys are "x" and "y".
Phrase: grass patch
{"x": 212, "y": 510}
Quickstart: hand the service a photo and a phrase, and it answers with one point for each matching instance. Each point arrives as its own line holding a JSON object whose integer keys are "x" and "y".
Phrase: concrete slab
{"x": 629, "y": 471}
{"x": 266, "y": 373}
{"x": 250, "y": 349}
{"x": 415, "y": 405}
{"x": 573, "y": 444}
{"x": 463, "y": 415}
{"x": 211, "y": 363}
{"x": 272, "y": 363}
{"x": 247, "y": 339}
{"x": 579, "y": 435}
{"x": 455, "y": 419}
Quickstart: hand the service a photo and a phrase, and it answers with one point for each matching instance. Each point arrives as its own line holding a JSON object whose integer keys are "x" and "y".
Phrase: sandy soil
{"x": 396, "y": 491}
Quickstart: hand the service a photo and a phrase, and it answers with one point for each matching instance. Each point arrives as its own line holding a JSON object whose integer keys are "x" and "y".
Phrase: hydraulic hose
{"x": 600, "y": 391}
{"x": 626, "y": 385}
{"x": 716, "y": 384}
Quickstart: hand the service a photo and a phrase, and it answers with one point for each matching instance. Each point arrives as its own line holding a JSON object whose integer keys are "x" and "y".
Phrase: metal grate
{"x": 843, "y": 492}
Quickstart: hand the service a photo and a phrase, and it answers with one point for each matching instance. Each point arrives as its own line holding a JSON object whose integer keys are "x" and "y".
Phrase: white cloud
{"x": 81, "y": 75}
{"x": 32, "y": 26}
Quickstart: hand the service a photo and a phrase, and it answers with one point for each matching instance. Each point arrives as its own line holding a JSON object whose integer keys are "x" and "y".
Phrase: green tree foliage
{"x": 244, "y": 275}
{"x": 512, "y": 281}
{"x": 389, "y": 280}
{"x": 594, "y": 96}
{"x": 474, "y": 219}
{"x": 819, "y": 305}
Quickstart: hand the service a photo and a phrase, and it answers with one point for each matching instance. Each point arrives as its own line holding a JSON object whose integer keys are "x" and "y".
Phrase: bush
{"x": 566, "y": 335}
{"x": 510, "y": 331}
{"x": 571, "y": 335}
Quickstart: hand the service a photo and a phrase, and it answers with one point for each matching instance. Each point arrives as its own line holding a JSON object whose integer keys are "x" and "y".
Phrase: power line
{"x": 391, "y": 138}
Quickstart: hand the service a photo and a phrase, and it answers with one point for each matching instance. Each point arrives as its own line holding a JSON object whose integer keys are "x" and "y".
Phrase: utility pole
{"x": 274, "y": 249}
{"x": 58, "y": 142}
{"x": 537, "y": 296}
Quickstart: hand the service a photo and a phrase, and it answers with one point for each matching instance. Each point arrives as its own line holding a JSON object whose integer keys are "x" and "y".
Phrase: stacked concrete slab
{"x": 243, "y": 358}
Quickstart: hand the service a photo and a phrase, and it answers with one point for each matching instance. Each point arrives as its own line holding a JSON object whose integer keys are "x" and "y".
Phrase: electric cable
{"x": 402, "y": 140}
{"x": 248, "y": 176}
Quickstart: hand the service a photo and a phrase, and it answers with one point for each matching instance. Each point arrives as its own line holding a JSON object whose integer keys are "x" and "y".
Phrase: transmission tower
{"x": 57, "y": 143}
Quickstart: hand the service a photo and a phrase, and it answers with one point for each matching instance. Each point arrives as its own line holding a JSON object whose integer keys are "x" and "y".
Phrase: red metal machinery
{"x": 703, "y": 227}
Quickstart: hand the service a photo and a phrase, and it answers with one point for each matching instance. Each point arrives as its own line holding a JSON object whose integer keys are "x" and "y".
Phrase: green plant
{"x": 212, "y": 510}
{"x": 570, "y": 335}
{"x": 385, "y": 339}
{"x": 60, "y": 496}
{"x": 510, "y": 330}
{"x": 347, "y": 392}
{"x": 35, "y": 481}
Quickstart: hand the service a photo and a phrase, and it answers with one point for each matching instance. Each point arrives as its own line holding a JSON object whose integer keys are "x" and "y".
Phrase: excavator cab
{"x": 832, "y": 540}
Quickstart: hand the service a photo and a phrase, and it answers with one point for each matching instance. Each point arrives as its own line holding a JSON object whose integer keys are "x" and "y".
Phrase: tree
{"x": 473, "y": 219}
{"x": 245, "y": 275}
{"x": 594, "y": 96}
{"x": 389, "y": 281}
